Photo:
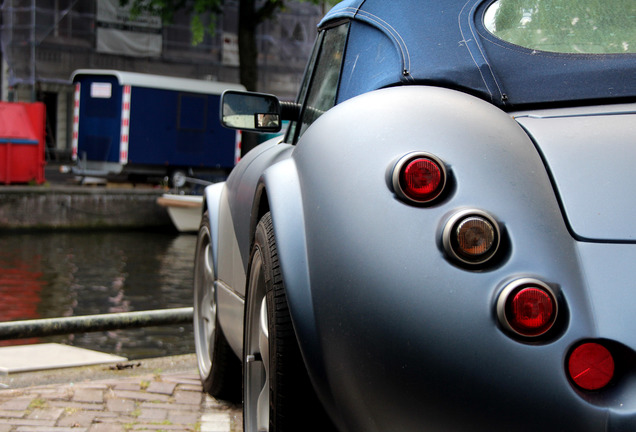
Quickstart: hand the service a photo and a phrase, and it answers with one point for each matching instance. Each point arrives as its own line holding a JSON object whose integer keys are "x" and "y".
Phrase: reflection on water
{"x": 47, "y": 275}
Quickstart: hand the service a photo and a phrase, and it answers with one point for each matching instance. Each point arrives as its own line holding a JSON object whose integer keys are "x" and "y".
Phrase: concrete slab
{"x": 27, "y": 358}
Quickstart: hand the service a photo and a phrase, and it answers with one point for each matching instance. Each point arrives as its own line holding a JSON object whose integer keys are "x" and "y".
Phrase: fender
{"x": 212, "y": 203}
{"x": 229, "y": 205}
{"x": 286, "y": 206}
{"x": 367, "y": 275}
{"x": 230, "y": 310}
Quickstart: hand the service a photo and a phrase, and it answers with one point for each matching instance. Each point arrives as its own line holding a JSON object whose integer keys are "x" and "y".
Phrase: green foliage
{"x": 199, "y": 8}
{"x": 251, "y": 13}
{"x": 198, "y": 29}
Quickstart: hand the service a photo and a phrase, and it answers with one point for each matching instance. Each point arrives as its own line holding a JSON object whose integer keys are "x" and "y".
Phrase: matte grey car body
{"x": 398, "y": 333}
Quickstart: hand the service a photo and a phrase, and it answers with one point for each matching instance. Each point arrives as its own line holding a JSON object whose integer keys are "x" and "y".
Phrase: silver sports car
{"x": 443, "y": 239}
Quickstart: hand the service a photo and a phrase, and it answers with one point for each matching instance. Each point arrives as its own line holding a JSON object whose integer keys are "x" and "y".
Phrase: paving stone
{"x": 188, "y": 397}
{"x": 12, "y": 414}
{"x": 215, "y": 422}
{"x": 171, "y": 406}
{"x": 153, "y": 414}
{"x": 94, "y": 385}
{"x": 122, "y": 418}
{"x": 183, "y": 380}
{"x": 63, "y": 393}
{"x": 88, "y": 395}
{"x": 191, "y": 387}
{"x": 120, "y": 405}
{"x": 152, "y": 402}
{"x": 105, "y": 427}
{"x": 17, "y": 404}
{"x": 212, "y": 403}
{"x": 77, "y": 419}
{"x": 76, "y": 405}
{"x": 161, "y": 387}
{"x": 46, "y": 413}
{"x": 112, "y": 382}
{"x": 55, "y": 392}
{"x": 133, "y": 386}
{"x": 183, "y": 417}
{"x": 162, "y": 427}
{"x": 101, "y": 416}
{"x": 31, "y": 422}
{"x": 48, "y": 429}
{"x": 142, "y": 396}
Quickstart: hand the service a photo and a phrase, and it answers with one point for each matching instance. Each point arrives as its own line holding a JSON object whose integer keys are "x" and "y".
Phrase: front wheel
{"x": 219, "y": 368}
{"x": 277, "y": 393}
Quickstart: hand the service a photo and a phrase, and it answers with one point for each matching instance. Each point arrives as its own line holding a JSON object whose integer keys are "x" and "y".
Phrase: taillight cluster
{"x": 529, "y": 308}
{"x": 526, "y": 308}
{"x": 471, "y": 237}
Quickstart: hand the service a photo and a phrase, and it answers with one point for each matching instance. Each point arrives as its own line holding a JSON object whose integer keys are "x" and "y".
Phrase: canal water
{"x": 48, "y": 275}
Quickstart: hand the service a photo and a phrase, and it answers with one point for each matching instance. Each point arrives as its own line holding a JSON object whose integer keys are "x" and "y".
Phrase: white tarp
{"x": 117, "y": 33}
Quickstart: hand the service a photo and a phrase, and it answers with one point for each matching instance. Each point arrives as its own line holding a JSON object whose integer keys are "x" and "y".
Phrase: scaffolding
{"x": 44, "y": 41}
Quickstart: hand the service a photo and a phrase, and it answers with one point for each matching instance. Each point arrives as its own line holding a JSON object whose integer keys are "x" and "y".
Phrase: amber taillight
{"x": 471, "y": 236}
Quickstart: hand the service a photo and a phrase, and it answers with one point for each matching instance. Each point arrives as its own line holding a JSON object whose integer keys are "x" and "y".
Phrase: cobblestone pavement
{"x": 158, "y": 401}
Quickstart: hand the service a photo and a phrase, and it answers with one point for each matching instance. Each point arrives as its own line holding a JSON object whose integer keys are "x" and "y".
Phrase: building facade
{"x": 44, "y": 41}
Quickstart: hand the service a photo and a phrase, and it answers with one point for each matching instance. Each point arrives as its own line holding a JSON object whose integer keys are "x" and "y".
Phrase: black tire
{"x": 291, "y": 403}
{"x": 219, "y": 368}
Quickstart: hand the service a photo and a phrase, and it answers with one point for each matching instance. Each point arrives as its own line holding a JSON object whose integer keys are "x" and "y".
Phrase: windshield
{"x": 566, "y": 26}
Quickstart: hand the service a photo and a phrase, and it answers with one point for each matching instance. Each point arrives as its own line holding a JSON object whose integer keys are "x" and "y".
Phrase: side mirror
{"x": 256, "y": 112}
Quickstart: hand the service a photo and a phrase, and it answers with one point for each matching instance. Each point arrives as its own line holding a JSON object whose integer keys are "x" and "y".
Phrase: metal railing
{"x": 94, "y": 323}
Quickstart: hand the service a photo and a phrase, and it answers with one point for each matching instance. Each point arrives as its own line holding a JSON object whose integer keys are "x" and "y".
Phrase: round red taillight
{"x": 591, "y": 366}
{"x": 419, "y": 177}
{"x": 531, "y": 311}
{"x": 528, "y": 307}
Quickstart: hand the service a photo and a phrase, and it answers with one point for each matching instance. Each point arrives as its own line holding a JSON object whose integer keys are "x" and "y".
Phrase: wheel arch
{"x": 259, "y": 209}
{"x": 211, "y": 203}
{"x": 281, "y": 195}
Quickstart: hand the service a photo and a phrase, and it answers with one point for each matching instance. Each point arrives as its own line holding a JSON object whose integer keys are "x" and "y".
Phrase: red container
{"x": 22, "y": 127}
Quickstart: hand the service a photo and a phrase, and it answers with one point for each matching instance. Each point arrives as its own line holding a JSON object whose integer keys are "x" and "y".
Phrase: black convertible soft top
{"x": 445, "y": 42}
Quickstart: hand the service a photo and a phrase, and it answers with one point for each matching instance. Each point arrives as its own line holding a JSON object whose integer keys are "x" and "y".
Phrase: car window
{"x": 291, "y": 130}
{"x": 566, "y": 26}
{"x": 323, "y": 83}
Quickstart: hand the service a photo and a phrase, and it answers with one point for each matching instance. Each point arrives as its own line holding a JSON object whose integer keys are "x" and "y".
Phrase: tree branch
{"x": 268, "y": 9}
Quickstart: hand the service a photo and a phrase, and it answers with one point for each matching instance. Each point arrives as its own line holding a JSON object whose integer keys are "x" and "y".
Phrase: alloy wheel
{"x": 204, "y": 303}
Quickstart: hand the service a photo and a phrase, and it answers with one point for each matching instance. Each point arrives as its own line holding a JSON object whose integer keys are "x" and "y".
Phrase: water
{"x": 48, "y": 275}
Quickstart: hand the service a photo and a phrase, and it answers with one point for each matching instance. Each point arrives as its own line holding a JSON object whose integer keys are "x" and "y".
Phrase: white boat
{"x": 184, "y": 210}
